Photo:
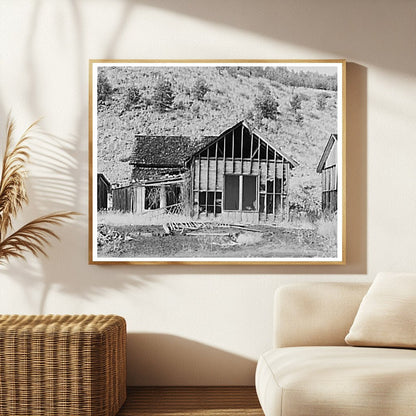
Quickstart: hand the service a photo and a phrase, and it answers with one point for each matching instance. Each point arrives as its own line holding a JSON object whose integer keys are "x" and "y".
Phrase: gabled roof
{"x": 151, "y": 151}
{"x": 327, "y": 151}
{"x": 244, "y": 123}
{"x": 165, "y": 151}
{"x": 105, "y": 180}
{"x": 291, "y": 161}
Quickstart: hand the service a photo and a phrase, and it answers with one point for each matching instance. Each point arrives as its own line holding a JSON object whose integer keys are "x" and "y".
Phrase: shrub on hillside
{"x": 321, "y": 100}
{"x": 200, "y": 88}
{"x": 104, "y": 89}
{"x": 266, "y": 105}
{"x": 163, "y": 96}
{"x": 298, "y": 117}
{"x": 295, "y": 102}
{"x": 133, "y": 98}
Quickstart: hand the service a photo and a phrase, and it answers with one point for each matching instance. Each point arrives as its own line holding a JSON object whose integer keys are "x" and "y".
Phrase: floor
{"x": 187, "y": 401}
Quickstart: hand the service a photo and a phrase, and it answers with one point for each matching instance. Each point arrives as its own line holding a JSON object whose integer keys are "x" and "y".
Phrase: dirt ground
{"x": 211, "y": 241}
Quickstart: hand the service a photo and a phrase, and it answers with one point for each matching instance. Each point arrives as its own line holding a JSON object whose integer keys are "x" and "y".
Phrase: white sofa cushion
{"x": 315, "y": 313}
{"x": 387, "y": 314}
{"x": 341, "y": 381}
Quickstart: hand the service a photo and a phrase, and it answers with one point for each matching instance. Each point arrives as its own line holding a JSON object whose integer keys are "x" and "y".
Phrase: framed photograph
{"x": 234, "y": 162}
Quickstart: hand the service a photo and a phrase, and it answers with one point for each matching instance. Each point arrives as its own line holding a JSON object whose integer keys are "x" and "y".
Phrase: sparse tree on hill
{"x": 163, "y": 95}
{"x": 104, "y": 89}
{"x": 295, "y": 102}
{"x": 321, "y": 101}
{"x": 266, "y": 105}
{"x": 200, "y": 88}
{"x": 133, "y": 98}
{"x": 298, "y": 117}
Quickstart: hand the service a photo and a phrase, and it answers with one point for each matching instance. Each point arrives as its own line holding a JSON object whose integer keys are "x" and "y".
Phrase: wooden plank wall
{"x": 102, "y": 194}
{"x": 329, "y": 189}
{"x": 329, "y": 179}
{"x": 126, "y": 199}
{"x": 208, "y": 176}
{"x": 229, "y": 156}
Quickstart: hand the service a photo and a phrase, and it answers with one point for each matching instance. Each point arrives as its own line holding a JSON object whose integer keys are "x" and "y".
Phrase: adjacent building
{"x": 103, "y": 191}
{"x": 328, "y": 169}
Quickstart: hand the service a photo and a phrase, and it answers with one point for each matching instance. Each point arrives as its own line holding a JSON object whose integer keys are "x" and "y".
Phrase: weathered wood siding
{"x": 328, "y": 169}
{"x": 207, "y": 178}
{"x": 330, "y": 189}
{"x": 128, "y": 199}
{"x": 243, "y": 154}
{"x": 102, "y": 193}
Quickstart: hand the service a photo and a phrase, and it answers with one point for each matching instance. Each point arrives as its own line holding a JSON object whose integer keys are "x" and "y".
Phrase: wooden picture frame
{"x": 217, "y": 162}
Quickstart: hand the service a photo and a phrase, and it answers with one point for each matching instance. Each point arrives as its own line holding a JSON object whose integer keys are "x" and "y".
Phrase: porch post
{"x": 163, "y": 201}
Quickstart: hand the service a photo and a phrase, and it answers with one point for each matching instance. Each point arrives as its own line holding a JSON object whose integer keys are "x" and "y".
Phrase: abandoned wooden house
{"x": 160, "y": 175}
{"x": 241, "y": 177}
{"x": 103, "y": 191}
{"x": 237, "y": 176}
{"x": 327, "y": 167}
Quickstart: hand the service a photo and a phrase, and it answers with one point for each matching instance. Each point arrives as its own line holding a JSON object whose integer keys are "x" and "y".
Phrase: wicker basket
{"x": 72, "y": 365}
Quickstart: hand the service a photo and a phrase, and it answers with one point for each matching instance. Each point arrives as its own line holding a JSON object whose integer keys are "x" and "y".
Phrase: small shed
{"x": 328, "y": 169}
{"x": 103, "y": 190}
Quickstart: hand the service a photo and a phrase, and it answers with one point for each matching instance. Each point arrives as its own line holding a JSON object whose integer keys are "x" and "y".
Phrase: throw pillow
{"x": 387, "y": 314}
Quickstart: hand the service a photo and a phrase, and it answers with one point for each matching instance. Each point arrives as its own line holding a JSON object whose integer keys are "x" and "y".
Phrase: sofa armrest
{"x": 309, "y": 314}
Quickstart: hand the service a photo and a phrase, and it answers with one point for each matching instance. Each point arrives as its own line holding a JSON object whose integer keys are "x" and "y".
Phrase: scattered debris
{"x": 182, "y": 227}
{"x": 107, "y": 235}
{"x": 171, "y": 227}
{"x": 210, "y": 234}
{"x": 245, "y": 228}
{"x": 211, "y": 239}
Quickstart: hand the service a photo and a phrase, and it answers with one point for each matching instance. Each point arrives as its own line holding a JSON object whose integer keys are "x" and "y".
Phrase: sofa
{"x": 312, "y": 371}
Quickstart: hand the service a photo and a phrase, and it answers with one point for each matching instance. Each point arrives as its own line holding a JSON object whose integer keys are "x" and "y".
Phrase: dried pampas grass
{"x": 34, "y": 236}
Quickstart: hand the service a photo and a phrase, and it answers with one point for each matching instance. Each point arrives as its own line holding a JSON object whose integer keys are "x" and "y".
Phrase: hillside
{"x": 128, "y": 107}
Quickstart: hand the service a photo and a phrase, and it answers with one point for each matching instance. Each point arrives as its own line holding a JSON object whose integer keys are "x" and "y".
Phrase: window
{"x": 162, "y": 196}
{"x": 240, "y": 193}
{"x": 152, "y": 197}
{"x": 232, "y": 192}
{"x": 209, "y": 202}
{"x": 249, "y": 193}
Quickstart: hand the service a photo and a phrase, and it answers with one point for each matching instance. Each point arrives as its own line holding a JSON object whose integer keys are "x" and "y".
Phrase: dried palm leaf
{"x": 33, "y": 237}
{"x": 12, "y": 184}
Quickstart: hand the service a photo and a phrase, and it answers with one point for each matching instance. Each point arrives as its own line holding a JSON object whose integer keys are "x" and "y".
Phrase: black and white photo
{"x": 208, "y": 162}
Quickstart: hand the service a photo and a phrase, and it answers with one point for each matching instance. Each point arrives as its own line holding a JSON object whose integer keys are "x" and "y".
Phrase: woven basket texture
{"x": 56, "y": 365}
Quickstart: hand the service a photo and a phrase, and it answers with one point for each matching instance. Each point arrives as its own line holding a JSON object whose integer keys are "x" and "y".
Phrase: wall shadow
{"x": 54, "y": 186}
{"x": 169, "y": 360}
{"x": 58, "y": 180}
{"x": 339, "y": 28}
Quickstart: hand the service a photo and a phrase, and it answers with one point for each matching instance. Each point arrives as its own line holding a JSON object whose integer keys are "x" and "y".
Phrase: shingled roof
{"x": 166, "y": 151}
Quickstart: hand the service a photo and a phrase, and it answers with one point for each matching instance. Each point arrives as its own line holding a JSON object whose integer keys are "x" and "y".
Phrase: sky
{"x": 328, "y": 70}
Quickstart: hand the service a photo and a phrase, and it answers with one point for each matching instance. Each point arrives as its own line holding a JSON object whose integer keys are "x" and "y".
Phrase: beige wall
{"x": 198, "y": 324}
